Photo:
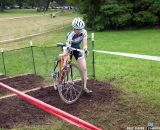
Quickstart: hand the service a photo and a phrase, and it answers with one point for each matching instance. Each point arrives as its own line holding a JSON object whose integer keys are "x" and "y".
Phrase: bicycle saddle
{"x": 60, "y": 44}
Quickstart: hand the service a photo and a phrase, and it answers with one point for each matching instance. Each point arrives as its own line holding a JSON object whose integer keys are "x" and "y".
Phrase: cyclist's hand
{"x": 86, "y": 52}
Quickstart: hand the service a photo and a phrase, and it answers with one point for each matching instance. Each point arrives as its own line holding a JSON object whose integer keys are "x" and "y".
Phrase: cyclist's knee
{"x": 84, "y": 69}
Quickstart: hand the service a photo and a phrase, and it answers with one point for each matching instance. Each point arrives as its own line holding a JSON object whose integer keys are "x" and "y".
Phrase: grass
{"x": 11, "y": 29}
{"x": 21, "y": 12}
{"x": 138, "y": 75}
{"x": 133, "y": 75}
{"x": 142, "y": 41}
{"x": 42, "y": 40}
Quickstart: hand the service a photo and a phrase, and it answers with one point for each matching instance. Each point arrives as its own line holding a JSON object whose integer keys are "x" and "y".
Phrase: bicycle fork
{"x": 68, "y": 73}
{"x": 55, "y": 72}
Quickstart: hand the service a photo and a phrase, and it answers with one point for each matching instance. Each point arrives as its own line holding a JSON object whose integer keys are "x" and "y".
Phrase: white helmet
{"x": 78, "y": 23}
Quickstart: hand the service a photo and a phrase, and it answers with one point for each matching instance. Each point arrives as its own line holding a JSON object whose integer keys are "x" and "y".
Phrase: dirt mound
{"x": 15, "y": 111}
{"x": 2, "y": 76}
{"x": 22, "y": 83}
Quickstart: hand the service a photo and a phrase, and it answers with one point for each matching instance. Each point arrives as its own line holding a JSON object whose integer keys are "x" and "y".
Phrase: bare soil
{"x": 2, "y": 76}
{"x": 16, "y": 112}
{"x": 21, "y": 83}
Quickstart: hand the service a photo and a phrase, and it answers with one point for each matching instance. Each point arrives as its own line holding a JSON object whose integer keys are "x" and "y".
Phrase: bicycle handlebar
{"x": 60, "y": 44}
{"x": 74, "y": 49}
{"x": 69, "y": 47}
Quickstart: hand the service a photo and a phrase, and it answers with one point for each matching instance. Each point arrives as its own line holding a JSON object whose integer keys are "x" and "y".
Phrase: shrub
{"x": 116, "y": 14}
{"x": 145, "y": 18}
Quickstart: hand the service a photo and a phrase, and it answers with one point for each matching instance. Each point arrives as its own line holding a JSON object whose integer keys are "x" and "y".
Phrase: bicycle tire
{"x": 70, "y": 84}
{"x": 54, "y": 75}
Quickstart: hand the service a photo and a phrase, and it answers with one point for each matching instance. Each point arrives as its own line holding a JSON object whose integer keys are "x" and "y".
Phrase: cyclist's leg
{"x": 82, "y": 65}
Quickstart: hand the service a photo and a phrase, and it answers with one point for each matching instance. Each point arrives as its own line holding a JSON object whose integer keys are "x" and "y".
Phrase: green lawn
{"x": 134, "y": 75}
{"x": 143, "y": 41}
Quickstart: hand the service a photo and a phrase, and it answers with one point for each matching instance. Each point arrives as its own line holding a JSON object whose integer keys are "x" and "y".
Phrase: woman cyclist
{"x": 75, "y": 38}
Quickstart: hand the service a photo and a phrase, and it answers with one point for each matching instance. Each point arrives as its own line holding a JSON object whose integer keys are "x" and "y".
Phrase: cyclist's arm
{"x": 84, "y": 41}
{"x": 69, "y": 39}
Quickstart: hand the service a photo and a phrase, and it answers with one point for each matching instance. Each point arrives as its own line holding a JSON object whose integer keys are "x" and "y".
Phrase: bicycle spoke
{"x": 71, "y": 84}
{"x": 75, "y": 92}
{"x": 75, "y": 88}
{"x": 67, "y": 92}
{"x": 78, "y": 85}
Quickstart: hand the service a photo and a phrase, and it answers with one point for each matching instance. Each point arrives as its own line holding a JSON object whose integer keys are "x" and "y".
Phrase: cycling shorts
{"x": 77, "y": 55}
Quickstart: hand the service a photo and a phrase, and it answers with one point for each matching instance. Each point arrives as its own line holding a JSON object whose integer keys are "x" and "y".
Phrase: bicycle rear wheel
{"x": 70, "y": 84}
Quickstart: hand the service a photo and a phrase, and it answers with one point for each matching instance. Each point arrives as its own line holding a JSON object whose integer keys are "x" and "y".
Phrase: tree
{"x": 43, "y": 5}
{"x": 31, "y": 3}
{"x": 73, "y": 2}
{"x": 20, "y": 3}
{"x": 60, "y": 2}
{"x": 91, "y": 9}
{"x": 117, "y": 14}
{"x": 2, "y": 5}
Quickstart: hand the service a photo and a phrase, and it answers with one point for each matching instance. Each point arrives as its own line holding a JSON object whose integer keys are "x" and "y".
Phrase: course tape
{"x": 147, "y": 57}
{"x": 52, "y": 110}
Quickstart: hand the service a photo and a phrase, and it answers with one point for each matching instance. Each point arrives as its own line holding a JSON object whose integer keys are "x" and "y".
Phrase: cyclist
{"x": 74, "y": 39}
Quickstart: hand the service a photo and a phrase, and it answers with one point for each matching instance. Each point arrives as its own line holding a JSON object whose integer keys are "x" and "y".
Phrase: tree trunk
{"x": 2, "y": 6}
{"x": 47, "y": 4}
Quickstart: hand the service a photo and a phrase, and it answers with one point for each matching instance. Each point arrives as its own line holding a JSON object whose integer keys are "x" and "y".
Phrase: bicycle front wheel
{"x": 70, "y": 84}
{"x": 55, "y": 73}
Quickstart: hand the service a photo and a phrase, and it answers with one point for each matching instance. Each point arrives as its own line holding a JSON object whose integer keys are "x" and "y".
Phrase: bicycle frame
{"x": 64, "y": 60}
{"x": 65, "y": 76}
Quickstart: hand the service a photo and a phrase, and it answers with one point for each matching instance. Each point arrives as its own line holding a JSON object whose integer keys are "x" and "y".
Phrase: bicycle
{"x": 67, "y": 76}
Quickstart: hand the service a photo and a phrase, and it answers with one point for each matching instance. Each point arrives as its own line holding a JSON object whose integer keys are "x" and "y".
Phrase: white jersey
{"x": 75, "y": 40}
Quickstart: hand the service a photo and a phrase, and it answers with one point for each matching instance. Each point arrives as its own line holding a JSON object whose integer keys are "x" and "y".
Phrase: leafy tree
{"x": 31, "y": 3}
{"x": 4, "y": 3}
{"x": 74, "y": 2}
{"x": 20, "y": 3}
{"x": 113, "y": 15}
{"x": 60, "y": 2}
{"x": 91, "y": 9}
{"x": 42, "y": 5}
{"x": 118, "y": 14}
